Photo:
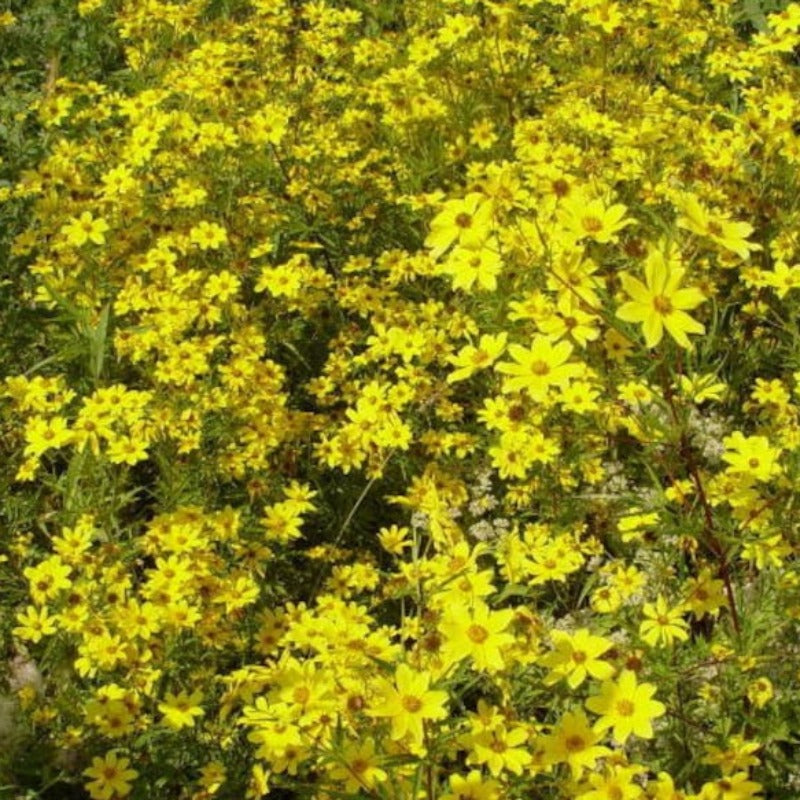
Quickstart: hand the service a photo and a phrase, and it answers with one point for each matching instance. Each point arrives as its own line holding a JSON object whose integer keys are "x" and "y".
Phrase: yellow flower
{"x": 738, "y": 755}
{"x": 42, "y": 434}
{"x": 480, "y": 264}
{"x": 47, "y": 579}
{"x": 208, "y": 235}
{"x": 479, "y": 634}
{"x": 85, "y": 228}
{"x": 472, "y": 787}
{"x": 501, "y": 749}
{"x": 661, "y": 303}
{"x": 111, "y": 777}
{"x": 585, "y": 218}
{"x": 760, "y": 692}
{"x": 751, "y": 456}
{"x": 34, "y": 623}
{"x": 470, "y": 358}
{"x": 705, "y": 595}
{"x": 180, "y": 709}
{"x": 539, "y": 367}
{"x": 663, "y": 624}
{"x": 728, "y": 235}
{"x": 573, "y": 742}
{"x": 576, "y": 657}
{"x": 702, "y": 387}
{"x": 731, "y": 787}
{"x": 465, "y": 222}
{"x": 212, "y": 776}
{"x": 359, "y": 768}
{"x": 408, "y": 702}
{"x": 626, "y": 707}
{"x": 615, "y": 783}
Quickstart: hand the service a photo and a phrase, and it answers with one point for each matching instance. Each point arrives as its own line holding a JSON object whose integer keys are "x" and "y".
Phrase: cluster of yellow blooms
{"x": 430, "y": 427}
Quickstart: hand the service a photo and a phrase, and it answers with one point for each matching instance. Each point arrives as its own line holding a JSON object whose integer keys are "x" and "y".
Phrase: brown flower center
{"x": 662, "y": 304}
{"x": 477, "y": 633}
{"x": 412, "y": 704}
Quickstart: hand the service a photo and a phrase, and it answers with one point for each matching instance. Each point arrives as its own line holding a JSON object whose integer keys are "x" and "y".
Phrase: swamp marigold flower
{"x": 111, "y": 777}
{"x": 663, "y": 624}
{"x": 730, "y": 787}
{"x": 661, "y": 303}
{"x": 34, "y": 623}
{"x": 751, "y": 456}
{"x": 626, "y": 707}
{"x": 359, "y": 768}
{"x": 573, "y": 742}
{"x": 539, "y": 367}
{"x": 180, "y": 709}
{"x": 408, "y": 702}
{"x": 472, "y": 787}
{"x": 592, "y": 219}
{"x": 728, "y": 235}
{"x": 479, "y": 635}
{"x": 465, "y": 222}
{"x": 84, "y": 229}
{"x": 470, "y": 359}
{"x": 576, "y": 657}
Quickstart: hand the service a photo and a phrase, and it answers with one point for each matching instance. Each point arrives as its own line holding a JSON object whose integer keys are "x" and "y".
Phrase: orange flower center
{"x": 540, "y": 367}
{"x": 477, "y": 633}
{"x": 301, "y": 695}
{"x": 359, "y": 765}
{"x": 574, "y": 743}
{"x": 625, "y": 708}
{"x": 579, "y": 656}
{"x": 662, "y": 304}
{"x": 592, "y": 224}
{"x": 412, "y": 704}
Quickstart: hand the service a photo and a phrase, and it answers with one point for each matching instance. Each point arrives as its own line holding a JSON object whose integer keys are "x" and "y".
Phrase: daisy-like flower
{"x": 577, "y": 657}
{"x": 465, "y": 222}
{"x": 359, "y": 767}
{"x": 85, "y": 228}
{"x": 179, "y": 710}
{"x": 470, "y": 359}
{"x": 591, "y": 219}
{"x": 480, "y": 634}
{"x": 408, "y": 702}
{"x": 626, "y": 707}
{"x": 110, "y": 777}
{"x": 539, "y": 367}
{"x": 573, "y": 742}
{"x": 663, "y": 624}
{"x": 661, "y": 303}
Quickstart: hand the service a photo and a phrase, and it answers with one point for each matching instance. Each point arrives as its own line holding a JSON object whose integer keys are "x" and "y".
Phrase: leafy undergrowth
{"x": 401, "y": 400}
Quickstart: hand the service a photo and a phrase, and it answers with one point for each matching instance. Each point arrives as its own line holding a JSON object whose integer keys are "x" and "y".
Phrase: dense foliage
{"x": 401, "y": 399}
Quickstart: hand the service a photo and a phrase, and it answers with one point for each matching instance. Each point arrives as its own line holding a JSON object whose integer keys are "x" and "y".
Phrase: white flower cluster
{"x": 707, "y": 430}
{"x": 615, "y": 481}
{"x": 482, "y": 501}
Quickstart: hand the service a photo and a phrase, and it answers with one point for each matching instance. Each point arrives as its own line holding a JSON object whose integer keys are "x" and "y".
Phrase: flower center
{"x": 412, "y": 704}
{"x": 477, "y": 633}
{"x": 574, "y": 743}
{"x": 579, "y": 656}
{"x": 540, "y": 367}
{"x": 625, "y": 708}
{"x": 592, "y": 224}
{"x": 301, "y": 695}
{"x": 662, "y": 304}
